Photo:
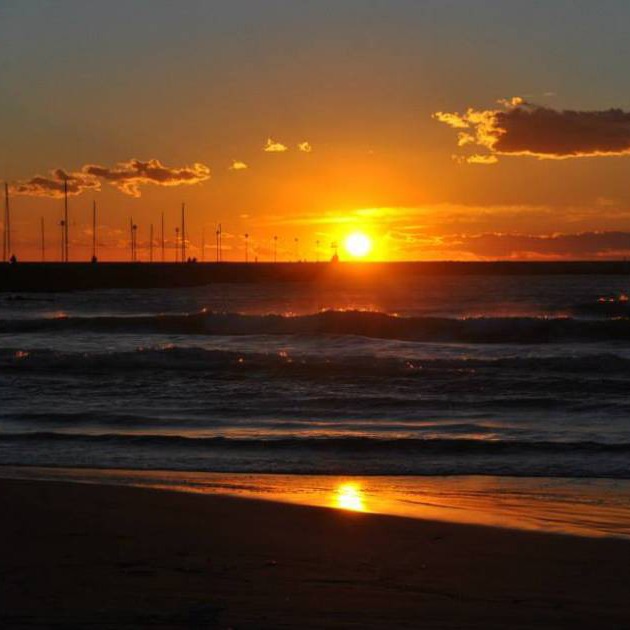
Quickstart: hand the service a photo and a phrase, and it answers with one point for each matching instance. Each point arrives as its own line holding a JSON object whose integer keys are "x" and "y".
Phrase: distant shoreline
{"x": 52, "y": 277}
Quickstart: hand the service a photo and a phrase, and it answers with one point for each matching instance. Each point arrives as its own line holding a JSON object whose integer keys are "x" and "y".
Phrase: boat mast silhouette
{"x": 133, "y": 228}
{"x": 219, "y": 243}
{"x": 6, "y": 237}
{"x": 183, "y": 235}
{"x": 65, "y": 221}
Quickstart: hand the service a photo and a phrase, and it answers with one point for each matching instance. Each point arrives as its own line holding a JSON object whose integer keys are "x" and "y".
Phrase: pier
{"x": 51, "y": 276}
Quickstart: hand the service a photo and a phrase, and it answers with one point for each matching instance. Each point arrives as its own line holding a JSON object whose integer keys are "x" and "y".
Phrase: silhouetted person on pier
{"x": 94, "y": 260}
{"x": 13, "y": 259}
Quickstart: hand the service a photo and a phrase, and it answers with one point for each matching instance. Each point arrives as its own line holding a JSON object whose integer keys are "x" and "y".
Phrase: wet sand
{"x": 77, "y": 556}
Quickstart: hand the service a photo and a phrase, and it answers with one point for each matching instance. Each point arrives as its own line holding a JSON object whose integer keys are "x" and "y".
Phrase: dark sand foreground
{"x": 82, "y": 556}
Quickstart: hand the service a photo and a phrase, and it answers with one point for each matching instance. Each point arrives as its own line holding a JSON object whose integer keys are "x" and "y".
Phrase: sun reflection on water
{"x": 348, "y": 496}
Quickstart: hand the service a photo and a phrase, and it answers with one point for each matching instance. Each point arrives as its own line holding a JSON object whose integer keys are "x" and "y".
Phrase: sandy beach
{"x": 77, "y": 556}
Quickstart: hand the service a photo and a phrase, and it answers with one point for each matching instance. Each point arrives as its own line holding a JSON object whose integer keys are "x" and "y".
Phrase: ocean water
{"x": 523, "y": 376}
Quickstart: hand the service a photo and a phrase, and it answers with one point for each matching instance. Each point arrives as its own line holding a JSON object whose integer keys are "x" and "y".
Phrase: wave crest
{"x": 359, "y": 323}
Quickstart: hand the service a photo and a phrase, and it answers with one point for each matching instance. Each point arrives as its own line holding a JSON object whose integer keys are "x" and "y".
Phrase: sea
{"x": 428, "y": 377}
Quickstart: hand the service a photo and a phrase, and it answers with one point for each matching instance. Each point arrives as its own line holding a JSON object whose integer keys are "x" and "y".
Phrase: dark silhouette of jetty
{"x": 31, "y": 276}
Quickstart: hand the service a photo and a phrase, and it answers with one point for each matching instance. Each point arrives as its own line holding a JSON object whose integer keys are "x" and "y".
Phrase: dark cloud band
{"x": 521, "y": 128}
{"x": 580, "y": 245}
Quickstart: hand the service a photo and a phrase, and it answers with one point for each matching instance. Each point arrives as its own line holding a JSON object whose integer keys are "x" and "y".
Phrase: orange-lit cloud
{"x": 53, "y": 185}
{"x": 275, "y": 147}
{"x": 305, "y": 147}
{"x": 126, "y": 176}
{"x": 477, "y": 158}
{"x": 237, "y": 165}
{"x": 521, "y": 128}
{"x": 129, "y": 176}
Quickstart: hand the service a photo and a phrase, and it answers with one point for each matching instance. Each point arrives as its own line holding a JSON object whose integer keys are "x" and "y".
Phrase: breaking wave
{"x": 360, "y": 323}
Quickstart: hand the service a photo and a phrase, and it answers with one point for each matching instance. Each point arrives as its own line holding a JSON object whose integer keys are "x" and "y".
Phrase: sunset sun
{"x": 358, "y": 244}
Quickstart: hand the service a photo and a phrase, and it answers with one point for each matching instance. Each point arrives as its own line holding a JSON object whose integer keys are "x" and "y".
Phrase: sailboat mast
{"x": 6, "y": 237}
{"x": 65, "y": 219}
{"x": 183, "y": 232}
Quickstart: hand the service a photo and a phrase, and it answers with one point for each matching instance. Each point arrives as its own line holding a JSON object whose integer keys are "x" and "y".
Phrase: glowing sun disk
{"x": 358, "y": 244}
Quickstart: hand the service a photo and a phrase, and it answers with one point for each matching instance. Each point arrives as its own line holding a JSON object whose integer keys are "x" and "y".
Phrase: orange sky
{"x": 390, "y": 115}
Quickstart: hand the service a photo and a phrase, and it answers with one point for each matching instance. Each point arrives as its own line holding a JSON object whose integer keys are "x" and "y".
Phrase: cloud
{"x": 305, "y": 147}
{"x": 515, "y": 101}
{"x": 495, "y": 245}
{"x": 129, "y": 176}
{"x": 275, "y": 147}
{"x": 53, "y": 185}
{"x": 237, "y": 165}
{"x": 522, "y": 128}
{"x": 580, "y": 245}
{"x": 477, "y": 158}
{"x": 126, "y": 176}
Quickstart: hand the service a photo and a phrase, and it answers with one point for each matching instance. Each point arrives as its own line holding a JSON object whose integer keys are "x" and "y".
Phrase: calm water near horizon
{"x": 502, "y": 376}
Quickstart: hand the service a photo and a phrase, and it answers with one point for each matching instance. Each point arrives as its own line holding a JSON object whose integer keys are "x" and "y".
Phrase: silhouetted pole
{"x": 203, "y": 244}
{"x": 162, "y": 237}
{"x": 65, "y": 220}
{"x": 246, "y": 247}
{"x": 43, "y": 240}
{"x": 275, "y": 249}
{"x": 151, "y": 243}
{"x": 176, "y": 244}
{"x": 4, "y": 229}
{"x": 219, "y": 243}
{"x": 63, "y": 239}
{"x": 297, "y": 249}
{"x": 132, "y": 231}
{"x": 6, "y": 241}
{"x": 183, "y": 232}
{"x": 94, "y": 231}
